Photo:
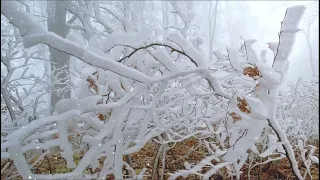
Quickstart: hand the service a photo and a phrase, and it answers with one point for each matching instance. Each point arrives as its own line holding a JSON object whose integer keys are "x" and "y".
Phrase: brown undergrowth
{"x": 189, "y": 150}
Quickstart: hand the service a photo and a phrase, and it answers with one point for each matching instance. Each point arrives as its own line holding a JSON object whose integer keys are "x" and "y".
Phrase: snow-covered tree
{"x": 60, "y": 65}
{"x": 138, "y": 81}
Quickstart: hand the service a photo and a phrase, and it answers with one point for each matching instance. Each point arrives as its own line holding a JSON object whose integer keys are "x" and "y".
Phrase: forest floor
{"x": 188, "y": 150}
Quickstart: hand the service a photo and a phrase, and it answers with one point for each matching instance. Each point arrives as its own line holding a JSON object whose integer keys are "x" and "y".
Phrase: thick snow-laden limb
{"x": 289, "y": 27}
{"x": 273, "y": 46}
{"x": 118, "y": 138}
{"x": 131, "y": 114}
{"x": 25, "y": 131}
{"x": 150, "y": 111}
{"x": 21, "y": 19}
{"x": 220, "y": 56}
{"x": 187, "y": 17}
{"x": 251, "y": 54}
{"x": 5, "y": 155}
{"x": 272, "y": 146}
{"x": 258, "y": 109}
{"x": 234, "y": 59}
{"x": 245, "y": 142}
{"x": 314, "y": 159}
{"x": 310, "y": 157}
{"x": 65, "y": 145}
{"x": 19, "y": 161}
{"x": 263, "y": 56}
{"x": 65, "y": 105}
{"x": 271, "y": 79}
{"x": 40, "y": 158}
{"x": 187, "y": 47}
{"x": 33, "y": 34}
{"x": 87, "y": 56}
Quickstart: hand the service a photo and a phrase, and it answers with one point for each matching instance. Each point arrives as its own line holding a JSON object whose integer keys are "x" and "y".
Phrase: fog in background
{"x": 261, "y": 20}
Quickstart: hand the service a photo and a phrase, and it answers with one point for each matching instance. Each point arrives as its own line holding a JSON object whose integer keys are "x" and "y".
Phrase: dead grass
{"x": 188, "y": 150}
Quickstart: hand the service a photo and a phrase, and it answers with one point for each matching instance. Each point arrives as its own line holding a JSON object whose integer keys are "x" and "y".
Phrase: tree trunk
{"x": 56, "y": 23}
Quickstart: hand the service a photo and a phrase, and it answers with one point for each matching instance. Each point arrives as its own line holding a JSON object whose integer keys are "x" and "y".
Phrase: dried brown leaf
{"x": 55, "y": 136}
{"x": 235, "y": 117}
{"x": 101, "y": 117}
{"x": 70, "y": 137}
{"x": 251, "y": 71}
{"x": 92, "y": 84}
{"x": 243, "y": 105}
{"x": 190, "y": 143}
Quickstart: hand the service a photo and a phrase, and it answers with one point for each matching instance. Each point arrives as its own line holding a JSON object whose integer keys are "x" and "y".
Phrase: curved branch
{"x": 156, "y": 44}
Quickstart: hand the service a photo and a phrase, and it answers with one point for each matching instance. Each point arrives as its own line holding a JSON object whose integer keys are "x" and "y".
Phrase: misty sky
{"x": 269, "y": 15}
{"x": 261, "y": 20}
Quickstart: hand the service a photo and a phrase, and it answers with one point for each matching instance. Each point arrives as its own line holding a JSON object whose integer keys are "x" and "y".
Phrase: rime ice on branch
{"x": 142, "y": 89}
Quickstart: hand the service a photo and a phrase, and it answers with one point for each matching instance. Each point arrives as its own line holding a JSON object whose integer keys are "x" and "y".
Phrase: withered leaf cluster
{"x": 92, "y": 83}
{"x": 243, "y": 107}
{"x": 235, "y": 117}
{"x": 251, "y": 71}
